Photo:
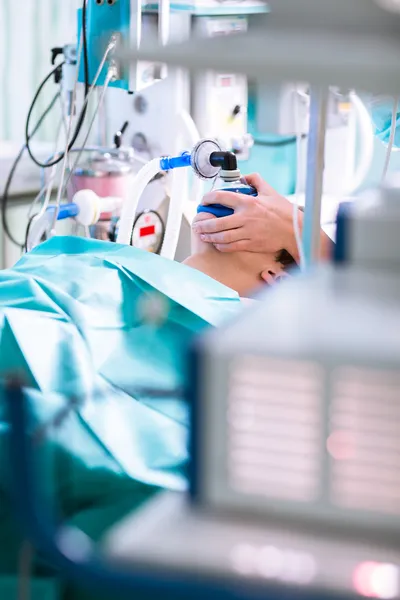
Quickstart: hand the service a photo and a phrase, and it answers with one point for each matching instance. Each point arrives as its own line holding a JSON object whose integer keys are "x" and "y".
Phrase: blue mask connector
{"x": 167, "y": 163}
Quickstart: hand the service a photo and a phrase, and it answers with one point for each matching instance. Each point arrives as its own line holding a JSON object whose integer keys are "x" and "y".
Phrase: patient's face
{"x": 249, "y": 270}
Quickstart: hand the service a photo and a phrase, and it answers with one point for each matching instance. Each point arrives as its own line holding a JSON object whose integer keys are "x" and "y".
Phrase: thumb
{"x": 262, "y": 187}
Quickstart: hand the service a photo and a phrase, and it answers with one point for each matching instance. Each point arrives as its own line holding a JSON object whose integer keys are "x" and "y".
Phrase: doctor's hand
{"x": 259, "y": 224}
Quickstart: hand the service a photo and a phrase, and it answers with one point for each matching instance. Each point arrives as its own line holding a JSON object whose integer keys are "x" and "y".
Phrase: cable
{"x": 85, "y": 47}
{"x": 65, "y": 124}
{"x": 391, "y": 140}
{"x": 85, "y": 105}
{"x": 61, "y": 186}
{"x": 99, "y": 105}
{"x": 82, "y": 149}
{"x": 5, "y": 196}
{"x": 46, "y": 185}
{"x": 52, "y": 177}
{"x": 65, "y": 155}
{"x": 109, "y": 49}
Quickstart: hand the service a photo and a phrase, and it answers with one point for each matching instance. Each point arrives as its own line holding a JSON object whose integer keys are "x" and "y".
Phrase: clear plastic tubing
{"x": 177, "y": 201}
{"x": 142, "y": 179}
{"x": 176, "y": 205}
{"x": 129, "y": 208}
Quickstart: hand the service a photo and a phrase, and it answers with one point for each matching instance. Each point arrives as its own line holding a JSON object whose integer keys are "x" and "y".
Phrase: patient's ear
{"x": 274, "y": 275}
{"x": 268, "y": 276}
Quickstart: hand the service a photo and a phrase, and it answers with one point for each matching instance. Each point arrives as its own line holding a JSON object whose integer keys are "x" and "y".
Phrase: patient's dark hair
{"x": 284, "y": 257}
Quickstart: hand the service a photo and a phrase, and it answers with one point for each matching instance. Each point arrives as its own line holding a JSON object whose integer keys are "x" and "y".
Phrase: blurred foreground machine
{"x": 295, "y": 478}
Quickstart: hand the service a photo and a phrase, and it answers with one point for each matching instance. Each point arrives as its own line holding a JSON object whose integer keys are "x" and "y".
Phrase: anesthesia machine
{"x": 166, "y": 110}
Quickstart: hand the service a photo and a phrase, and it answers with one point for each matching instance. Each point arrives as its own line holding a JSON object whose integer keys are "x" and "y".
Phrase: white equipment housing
{"x": 216, "y": 95}
{"x": 209, "y": 97}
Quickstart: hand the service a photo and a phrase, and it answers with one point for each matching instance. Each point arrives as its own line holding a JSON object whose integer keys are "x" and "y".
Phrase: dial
{"x": 148, "y": 232}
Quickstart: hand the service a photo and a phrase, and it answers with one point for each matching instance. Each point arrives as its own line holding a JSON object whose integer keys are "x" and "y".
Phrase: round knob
{"x": 89, "y": 207}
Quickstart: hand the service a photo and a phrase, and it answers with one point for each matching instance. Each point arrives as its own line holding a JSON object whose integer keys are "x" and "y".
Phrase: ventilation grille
{"x": 364, "y": 440}
{"x": 275, "y": 428}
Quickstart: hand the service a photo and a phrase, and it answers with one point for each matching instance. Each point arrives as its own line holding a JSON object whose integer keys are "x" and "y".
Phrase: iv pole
{"x": 315, "y": 174}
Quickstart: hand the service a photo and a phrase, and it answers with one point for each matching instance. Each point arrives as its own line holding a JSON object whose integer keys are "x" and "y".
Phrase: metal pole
{"x": 135, "y": 38}
{"x": 163, "y": 21}
{"x": 315, "y": 174}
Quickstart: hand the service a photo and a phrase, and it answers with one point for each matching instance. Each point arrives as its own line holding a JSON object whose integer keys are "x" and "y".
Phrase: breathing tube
{"x": 208, "y": 162}
{"x": 86, "y": 209}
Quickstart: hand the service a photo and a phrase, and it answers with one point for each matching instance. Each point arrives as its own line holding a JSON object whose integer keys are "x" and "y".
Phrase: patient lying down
{"x": 240, "y": 271}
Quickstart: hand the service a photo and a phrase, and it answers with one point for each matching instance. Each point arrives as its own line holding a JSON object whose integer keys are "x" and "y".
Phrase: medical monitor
{"x": 296, "y": 412}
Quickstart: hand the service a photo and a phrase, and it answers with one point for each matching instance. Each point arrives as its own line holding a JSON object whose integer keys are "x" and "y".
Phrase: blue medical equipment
{"x": 106, "y": 19}
{"x": 210, "y": 162}
{"x": 228, "y": 180}
{"x": 207, "y": 160}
